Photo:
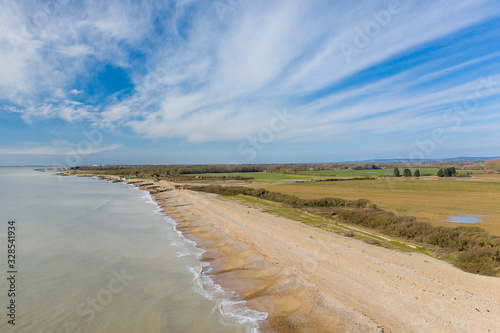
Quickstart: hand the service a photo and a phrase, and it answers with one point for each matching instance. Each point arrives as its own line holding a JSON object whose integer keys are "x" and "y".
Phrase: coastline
{"x": 290, "y": 304}
{"x": 310, "y": 280}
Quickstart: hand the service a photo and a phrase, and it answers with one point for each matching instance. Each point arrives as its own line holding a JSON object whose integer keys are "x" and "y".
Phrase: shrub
{"x": 288, "y": 199}
{"x": 476, "y": 262}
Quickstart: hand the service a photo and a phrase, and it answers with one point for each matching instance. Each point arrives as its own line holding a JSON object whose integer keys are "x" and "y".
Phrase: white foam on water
{"x": 231, "y": 311}
{"x": 149, "y": 199}
{"x": 236, "y": 311}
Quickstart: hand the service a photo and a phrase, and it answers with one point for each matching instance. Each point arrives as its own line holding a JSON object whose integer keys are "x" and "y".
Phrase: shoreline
{"x": 236, "y": 268}
{"x": 310, "y": 280}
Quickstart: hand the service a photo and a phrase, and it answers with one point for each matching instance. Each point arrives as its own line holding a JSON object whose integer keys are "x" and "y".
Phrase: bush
{"x": 476, "y": 262}
{"x": 287, "y": 199}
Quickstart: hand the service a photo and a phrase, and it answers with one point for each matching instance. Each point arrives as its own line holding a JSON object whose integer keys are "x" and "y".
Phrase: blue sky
{"x": 240, "y": 81}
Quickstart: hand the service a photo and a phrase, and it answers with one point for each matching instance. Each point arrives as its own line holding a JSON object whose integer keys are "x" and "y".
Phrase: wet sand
{"x": 310, "y": 280}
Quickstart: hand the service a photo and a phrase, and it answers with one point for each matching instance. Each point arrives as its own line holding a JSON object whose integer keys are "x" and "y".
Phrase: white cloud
{"x": 68, "y": 110}
{"x": 114, "y": 114}
{"x": 76, "y": 51}
{"x": 59, "y": 149}
{"x": 47, "y": 47}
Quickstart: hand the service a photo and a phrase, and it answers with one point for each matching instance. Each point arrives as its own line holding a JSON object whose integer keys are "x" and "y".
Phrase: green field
{"x": 377, "y": 172}
{"x": 259, "y": 177}
{"x": 266, "y": 177}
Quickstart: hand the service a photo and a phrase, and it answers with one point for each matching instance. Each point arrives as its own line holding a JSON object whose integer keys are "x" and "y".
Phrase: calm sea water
{"x": 100, "y": 257}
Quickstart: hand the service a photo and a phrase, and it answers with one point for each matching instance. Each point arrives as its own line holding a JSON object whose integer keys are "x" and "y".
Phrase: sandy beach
{"x": 310, "y": 280}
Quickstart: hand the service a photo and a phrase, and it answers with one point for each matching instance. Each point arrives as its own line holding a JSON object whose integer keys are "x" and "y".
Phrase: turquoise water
{"x": 100, "y": 257}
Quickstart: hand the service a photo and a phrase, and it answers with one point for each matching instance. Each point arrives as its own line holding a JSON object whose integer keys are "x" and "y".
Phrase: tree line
{"x": 406, "y": 173}
{"x": 177, "y": 171}
{"x": 448, "y": 172}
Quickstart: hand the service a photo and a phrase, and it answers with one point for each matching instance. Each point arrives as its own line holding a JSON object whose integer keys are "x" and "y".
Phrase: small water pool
{"x": 470, "y": 218}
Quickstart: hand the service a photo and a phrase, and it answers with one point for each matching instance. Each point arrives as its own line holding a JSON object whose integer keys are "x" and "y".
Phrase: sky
{"x": 247, "y": 81}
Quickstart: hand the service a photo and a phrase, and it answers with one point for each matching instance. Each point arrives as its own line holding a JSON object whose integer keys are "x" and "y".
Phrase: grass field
{"x": 429, "y": 200}
{"x": 261, "y": 177}
{"x": 377, "y": 172}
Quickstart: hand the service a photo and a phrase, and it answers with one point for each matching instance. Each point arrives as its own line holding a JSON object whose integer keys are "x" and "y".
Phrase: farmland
{"x": 378, "y": 172}
{"x": 430, "y": 200}
{"x": 259, "y": 177}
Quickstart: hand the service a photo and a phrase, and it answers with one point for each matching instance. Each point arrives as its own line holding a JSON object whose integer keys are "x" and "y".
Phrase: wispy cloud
{"x": 67, "y": 149}
{"x": 200, "y": 78}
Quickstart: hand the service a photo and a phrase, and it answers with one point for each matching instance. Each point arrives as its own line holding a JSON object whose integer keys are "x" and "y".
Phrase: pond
{"x": 470, "y": 218}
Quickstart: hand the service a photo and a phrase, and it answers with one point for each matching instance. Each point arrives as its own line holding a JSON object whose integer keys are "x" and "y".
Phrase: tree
{"x": 417, "y": 173}
{"x": 449, "y": 172}
{"x": 396, "y": 172}
{"x": 407, "y": 172}
{"x": 440, "y": 173}
{"x": 492, "y": 165}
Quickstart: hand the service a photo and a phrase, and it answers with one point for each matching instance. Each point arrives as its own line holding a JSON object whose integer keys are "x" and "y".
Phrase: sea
{"x": 87, "y": 255}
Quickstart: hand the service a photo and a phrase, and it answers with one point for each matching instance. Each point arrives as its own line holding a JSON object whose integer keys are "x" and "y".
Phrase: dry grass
{"x": 429, "y": 200}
